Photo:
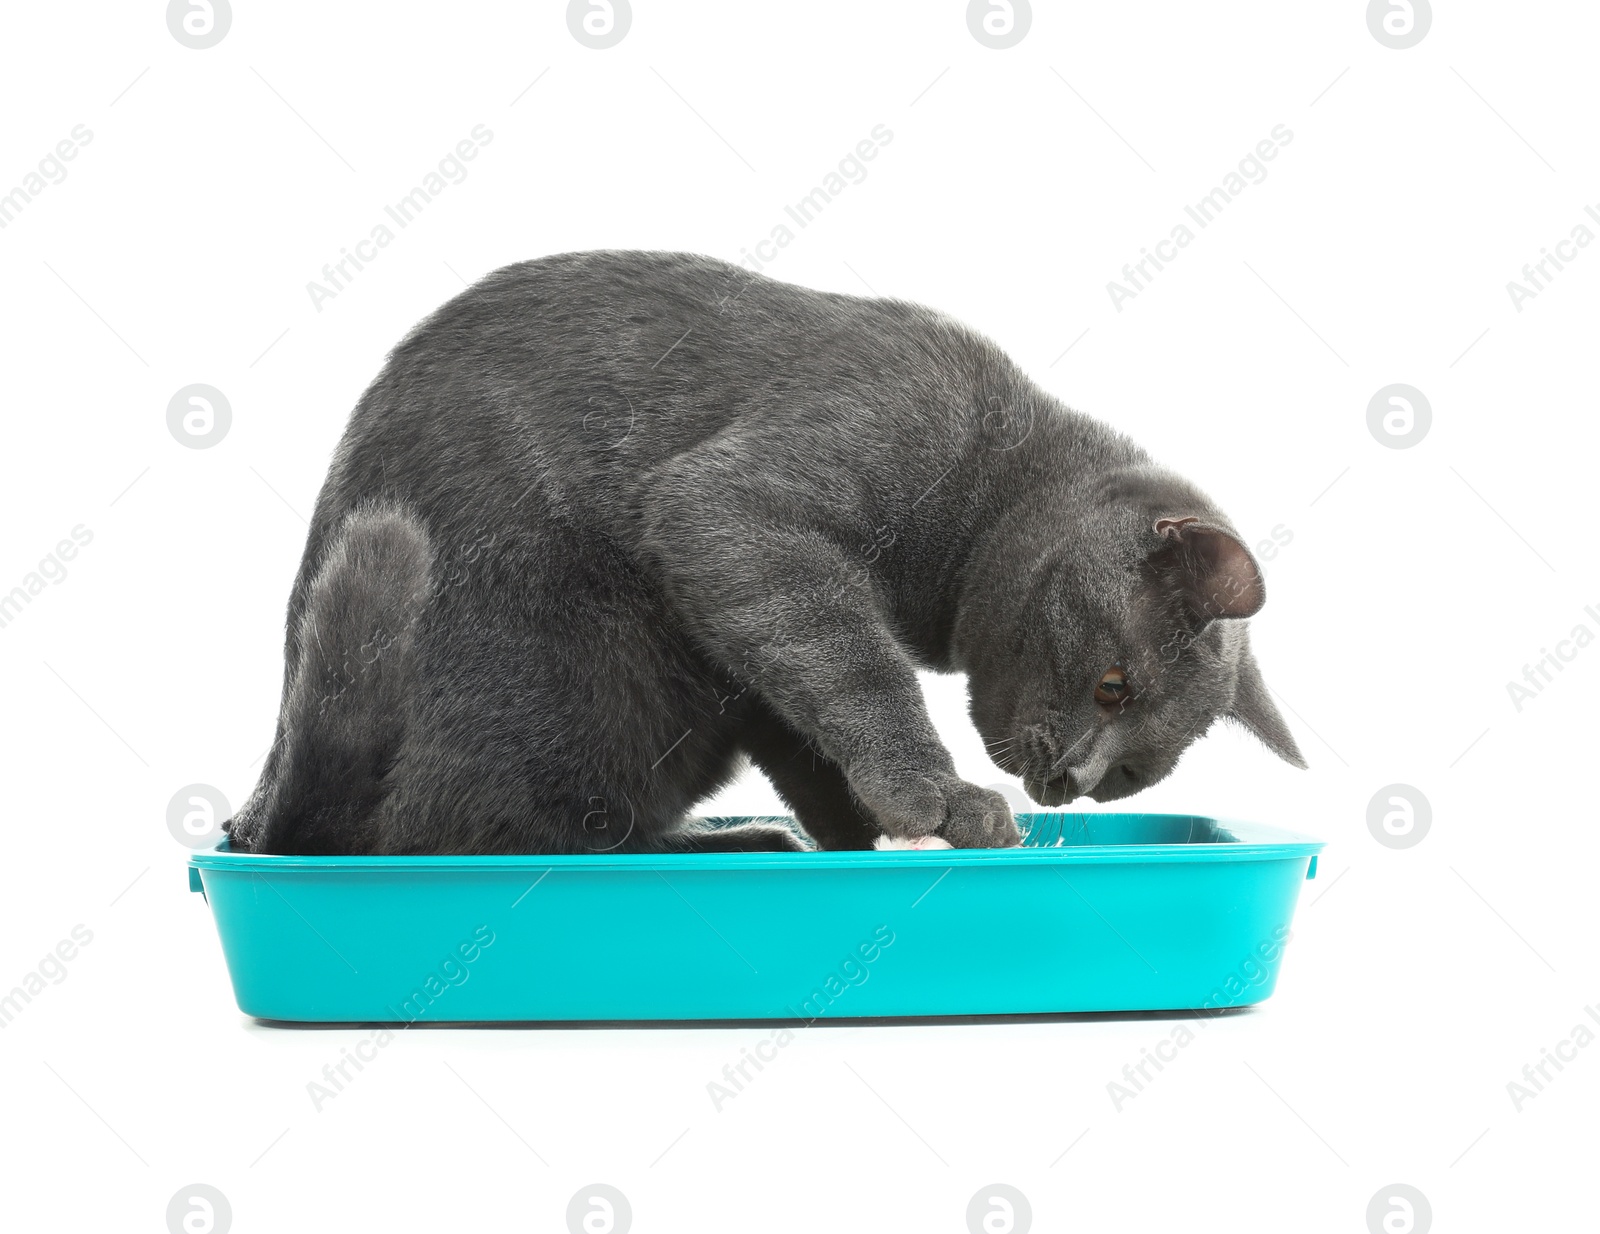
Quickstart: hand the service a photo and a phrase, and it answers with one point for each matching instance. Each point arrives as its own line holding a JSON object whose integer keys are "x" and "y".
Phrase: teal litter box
{"x": 1095, "y": 912}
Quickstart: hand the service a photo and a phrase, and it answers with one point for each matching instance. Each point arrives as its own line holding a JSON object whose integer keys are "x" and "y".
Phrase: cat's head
{"x": 1105, "y": 631}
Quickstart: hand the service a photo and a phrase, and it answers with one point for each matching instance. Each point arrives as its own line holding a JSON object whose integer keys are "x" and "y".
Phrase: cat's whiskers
{"x": 1001, "y": 752}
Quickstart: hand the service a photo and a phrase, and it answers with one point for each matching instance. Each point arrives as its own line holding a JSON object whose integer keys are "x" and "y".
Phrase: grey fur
{"x": 608, "y": 523}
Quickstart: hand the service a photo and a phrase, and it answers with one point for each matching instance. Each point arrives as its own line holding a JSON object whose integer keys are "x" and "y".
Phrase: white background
{"x": 1017, "y": 184}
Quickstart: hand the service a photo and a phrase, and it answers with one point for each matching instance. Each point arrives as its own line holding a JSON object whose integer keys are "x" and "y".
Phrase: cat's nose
{"x": 1087, "y": 774}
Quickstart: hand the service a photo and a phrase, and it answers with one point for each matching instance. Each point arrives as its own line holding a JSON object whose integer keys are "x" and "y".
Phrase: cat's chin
{"x": 1057, "y": 792}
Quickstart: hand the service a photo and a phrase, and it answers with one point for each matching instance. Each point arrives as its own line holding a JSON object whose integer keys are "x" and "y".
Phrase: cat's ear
{"x": 1219, "y": 576}
{"x": 1253, "y": 707}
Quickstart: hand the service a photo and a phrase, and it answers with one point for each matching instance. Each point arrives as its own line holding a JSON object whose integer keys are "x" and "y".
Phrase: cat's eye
{"x": 1112, "y": 688}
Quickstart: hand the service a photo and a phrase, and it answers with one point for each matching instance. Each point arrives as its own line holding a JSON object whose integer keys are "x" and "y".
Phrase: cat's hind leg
{"x": 744, "y": 838}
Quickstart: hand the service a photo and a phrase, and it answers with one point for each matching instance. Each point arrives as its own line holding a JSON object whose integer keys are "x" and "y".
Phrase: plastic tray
{"x": 1095, "y": 912}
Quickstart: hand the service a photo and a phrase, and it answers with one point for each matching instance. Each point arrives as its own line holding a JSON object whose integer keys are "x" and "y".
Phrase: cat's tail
{"x": 347, "y": 702}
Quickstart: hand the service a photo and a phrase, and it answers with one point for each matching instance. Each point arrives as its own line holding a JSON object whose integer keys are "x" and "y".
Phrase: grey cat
{"x": 608, "y": 523}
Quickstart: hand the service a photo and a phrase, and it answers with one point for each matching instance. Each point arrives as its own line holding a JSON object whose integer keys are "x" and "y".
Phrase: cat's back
{"x": 648, "y": 320}
{"x": 583, "y": 374}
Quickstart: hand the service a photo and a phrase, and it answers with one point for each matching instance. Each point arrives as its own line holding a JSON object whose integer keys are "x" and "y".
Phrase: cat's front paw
{"x": 941, "y": 804}
{"x": 978, "y": 818}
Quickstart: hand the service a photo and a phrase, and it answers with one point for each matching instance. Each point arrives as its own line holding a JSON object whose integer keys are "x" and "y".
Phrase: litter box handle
{"x": 196, "y": 885}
